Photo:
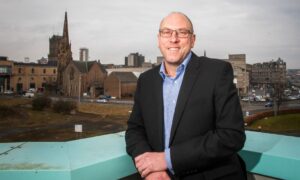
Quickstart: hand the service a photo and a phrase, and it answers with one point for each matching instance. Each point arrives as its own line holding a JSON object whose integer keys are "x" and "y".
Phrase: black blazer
{"x": 207, "y": 129}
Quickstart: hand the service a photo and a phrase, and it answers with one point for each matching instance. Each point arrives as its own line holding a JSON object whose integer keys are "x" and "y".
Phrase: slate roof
{"x": 125, "y": 76}
{"x": 33, "y": 64}
{"x": 85, "y": 66}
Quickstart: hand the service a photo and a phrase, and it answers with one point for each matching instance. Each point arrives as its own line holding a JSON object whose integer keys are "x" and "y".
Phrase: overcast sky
{"x": 111, "y": 29}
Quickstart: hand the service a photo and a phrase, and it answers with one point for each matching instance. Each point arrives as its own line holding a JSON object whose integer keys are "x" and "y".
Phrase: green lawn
{"x": 281, "y": 124}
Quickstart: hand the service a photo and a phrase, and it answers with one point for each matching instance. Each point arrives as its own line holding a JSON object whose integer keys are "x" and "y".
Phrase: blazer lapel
{"x": 158, "y": 102}
{"x": 189, "y": 79}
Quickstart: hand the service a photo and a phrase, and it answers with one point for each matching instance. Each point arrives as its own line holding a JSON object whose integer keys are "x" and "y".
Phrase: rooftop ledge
{"x": 104, "y": 157}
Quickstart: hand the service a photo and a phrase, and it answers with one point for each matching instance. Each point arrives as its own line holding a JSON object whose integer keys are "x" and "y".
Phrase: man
{"x": 186, "y": 122}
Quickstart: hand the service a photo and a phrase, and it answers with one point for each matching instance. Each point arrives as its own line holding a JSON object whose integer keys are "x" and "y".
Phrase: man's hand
{"x": 150, "y": 162}
{"x": 161, "y": 175}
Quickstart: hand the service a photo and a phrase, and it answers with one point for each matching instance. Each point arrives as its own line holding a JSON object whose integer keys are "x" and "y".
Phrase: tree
{"x": 278, "y": 93}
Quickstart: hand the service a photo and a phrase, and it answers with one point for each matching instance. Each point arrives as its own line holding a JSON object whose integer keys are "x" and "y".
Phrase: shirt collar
{"x": 179, "y": 69}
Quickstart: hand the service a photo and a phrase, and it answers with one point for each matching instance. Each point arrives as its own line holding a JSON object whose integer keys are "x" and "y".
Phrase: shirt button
{"x": 174, "y": 102}
{"x": 175, "y": 82}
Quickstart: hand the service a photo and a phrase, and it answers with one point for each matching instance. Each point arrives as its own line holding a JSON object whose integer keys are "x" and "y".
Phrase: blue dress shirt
{"x": 171, "y": 87}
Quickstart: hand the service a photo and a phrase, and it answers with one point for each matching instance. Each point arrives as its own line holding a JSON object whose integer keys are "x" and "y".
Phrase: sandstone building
{"x": 83, "y": 77}
{"x": 60, "y": 53}
{"x": 241, "y": 75}
{"x": 267, "y": 74}
{"x": 19, "y": 77}
{"x": 120, "y": 84}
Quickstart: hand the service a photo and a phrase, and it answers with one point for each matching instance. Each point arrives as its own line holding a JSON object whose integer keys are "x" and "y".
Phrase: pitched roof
{"x": 85, "y": 66}
{"x": 33, "y": 64}
{"x": 125, "y": 76}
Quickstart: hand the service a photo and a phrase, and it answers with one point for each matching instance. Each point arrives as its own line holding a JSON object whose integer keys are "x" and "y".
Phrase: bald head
{"x": 177, "y": 16}
{"x": 176, "y": 38}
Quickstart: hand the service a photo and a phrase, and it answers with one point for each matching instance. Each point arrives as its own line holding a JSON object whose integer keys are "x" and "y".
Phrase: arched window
{"x": 72, "y": 74}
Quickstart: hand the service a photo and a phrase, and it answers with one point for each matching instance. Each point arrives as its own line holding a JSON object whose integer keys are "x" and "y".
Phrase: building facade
{"x": 268, "y": 73}
{"x": 120, "y": 84}
{"x": 84, "y": 77}
{"x": 31, "y": 75}
{"x": 60, "y": 53}
{"x": 19, "y": 77}
{"x": 241, "y": 74}
{"x": 134, "y": 60}
{"x": 6, "y": 69}
{"x": 54, "y": 42}
{"x": 83, "y": 54}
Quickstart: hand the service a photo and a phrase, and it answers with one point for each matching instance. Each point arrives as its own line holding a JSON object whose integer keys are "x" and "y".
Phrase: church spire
{"x": 66, "y": 32}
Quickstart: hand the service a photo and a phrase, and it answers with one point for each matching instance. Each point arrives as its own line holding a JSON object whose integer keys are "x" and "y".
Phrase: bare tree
{"x": 278, "y": 93}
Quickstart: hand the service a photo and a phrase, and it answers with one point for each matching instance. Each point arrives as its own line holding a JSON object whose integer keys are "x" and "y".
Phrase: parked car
{"x": 269, "y": 104}
{"x": 101, "y": 100}
{"x": 29, "y": 94}
{"x": 245, "y": 99}
{"x": 104, "y": 97}
{"x": 292, "y": 97}
{"x": 85, "y": 94}
{"x": 8, "y": 92}
{"x": 32, "y": 90}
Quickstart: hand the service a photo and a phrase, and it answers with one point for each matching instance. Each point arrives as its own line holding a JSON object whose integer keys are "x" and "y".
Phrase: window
{"x": 44, "y": 71}
{"x": 54, "y": 71}
{"x": 2, "y": 70}
{"x": 32, "y": 71}
{"x": 71, "y": 74}
{"x": 20, "y": 70}
{"x": 32, "y": 85}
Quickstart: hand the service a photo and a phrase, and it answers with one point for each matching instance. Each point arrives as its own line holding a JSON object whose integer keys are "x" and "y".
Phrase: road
{"x": 251, "y": 107}
{"x": 254, "y": 107}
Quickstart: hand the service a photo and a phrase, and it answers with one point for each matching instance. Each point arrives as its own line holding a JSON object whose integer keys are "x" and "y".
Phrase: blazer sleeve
{"x": 221, "y": 142}
{"x": 135, "y": 136}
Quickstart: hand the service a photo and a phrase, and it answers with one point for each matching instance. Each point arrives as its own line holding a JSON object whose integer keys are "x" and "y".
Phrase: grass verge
{"x": 289, "y": 123}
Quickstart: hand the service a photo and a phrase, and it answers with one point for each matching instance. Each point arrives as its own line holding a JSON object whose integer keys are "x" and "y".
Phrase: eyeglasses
{"x": 181, "y": 33}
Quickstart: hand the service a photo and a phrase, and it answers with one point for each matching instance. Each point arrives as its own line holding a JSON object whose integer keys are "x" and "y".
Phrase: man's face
{"x": 176, "y": 47}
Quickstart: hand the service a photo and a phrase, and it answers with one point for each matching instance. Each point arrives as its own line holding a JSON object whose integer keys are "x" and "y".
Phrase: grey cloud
{"x": 264, "y": 30}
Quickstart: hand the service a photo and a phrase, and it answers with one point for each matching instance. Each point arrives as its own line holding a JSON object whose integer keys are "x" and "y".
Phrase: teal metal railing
{"x": 104, "y": 157}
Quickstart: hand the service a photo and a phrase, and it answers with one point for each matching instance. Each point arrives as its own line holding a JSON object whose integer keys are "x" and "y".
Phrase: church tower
{"x": 64, "y": 56}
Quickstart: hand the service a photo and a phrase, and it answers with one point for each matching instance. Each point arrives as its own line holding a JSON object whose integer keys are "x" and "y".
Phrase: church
{"x": 74, "y": 77}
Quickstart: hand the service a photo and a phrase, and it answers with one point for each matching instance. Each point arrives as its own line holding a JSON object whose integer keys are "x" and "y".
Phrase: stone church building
{"x": 74, "y": 77}
{"x": 83, "y": 77}
{"x": 60, "y": 53}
